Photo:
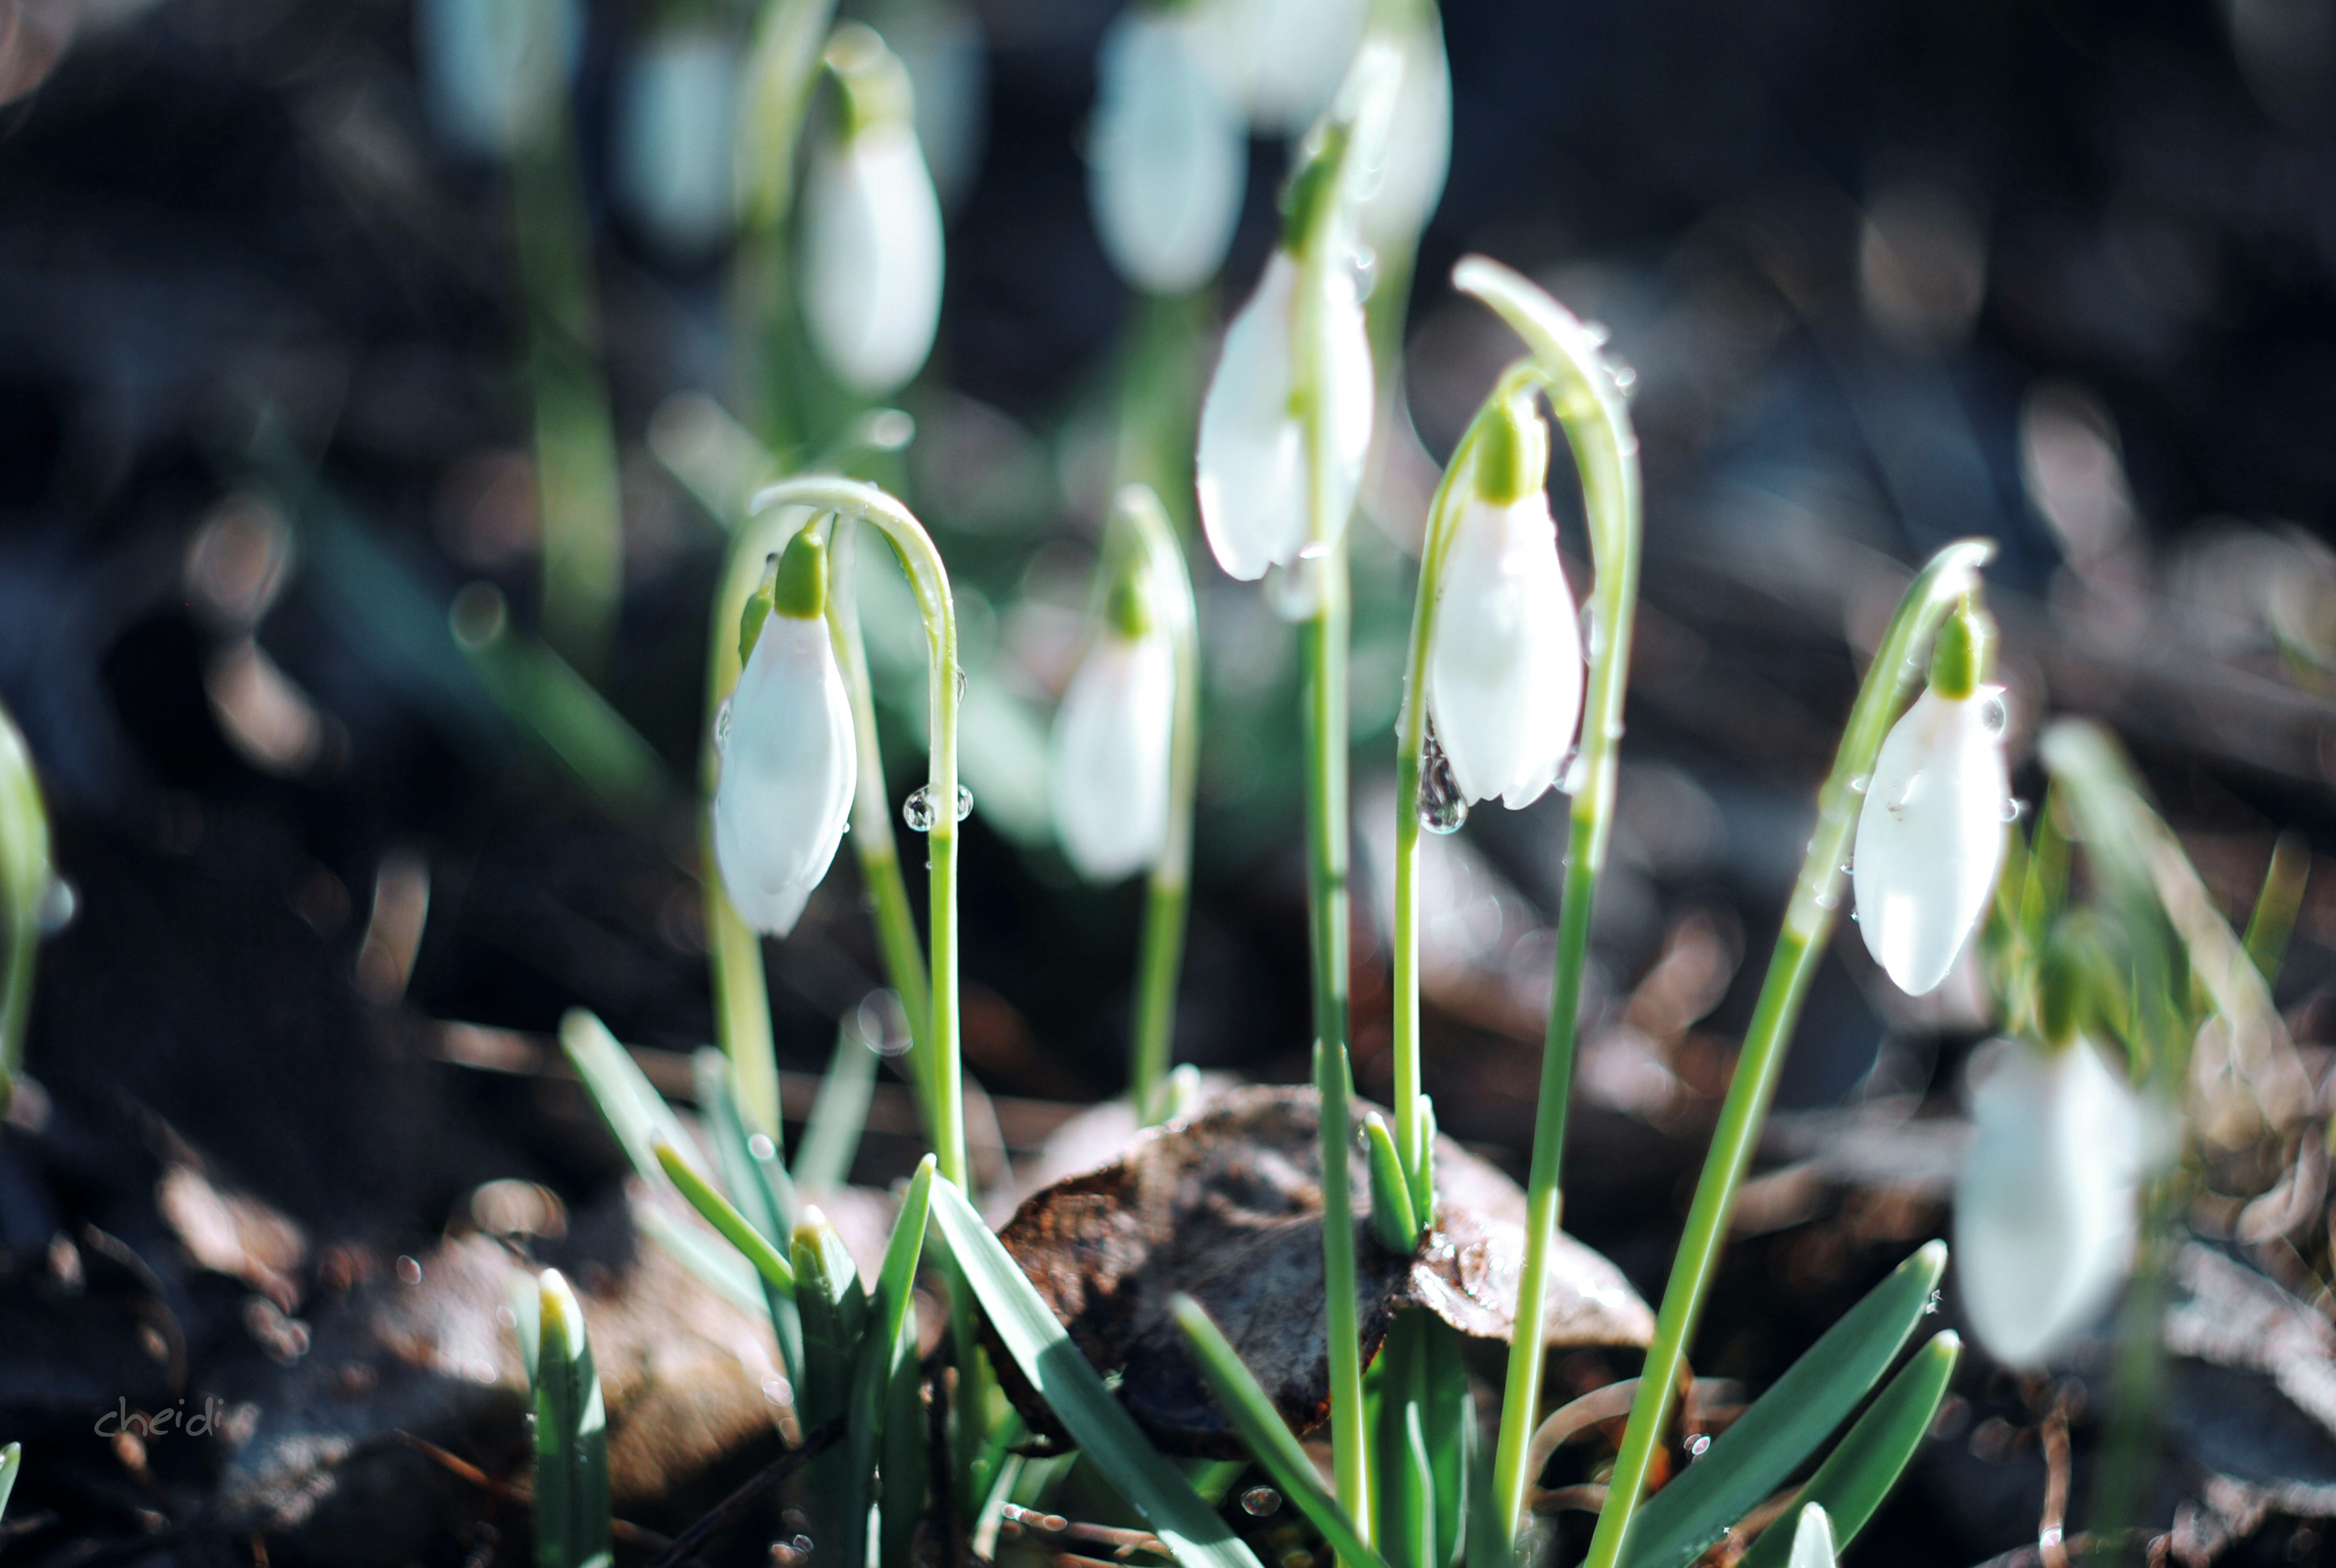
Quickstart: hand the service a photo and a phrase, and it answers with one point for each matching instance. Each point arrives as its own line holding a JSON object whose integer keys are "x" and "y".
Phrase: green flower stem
{"x": 1168, "y": 895}
{"x": 929, "y": 577}
{"x": 23, "y": 882}
{"x": 1896, "y": 669}
{"x": 1587, "y": 398}
{"x": 871, "y": 822}
{"x": 1411, "y": 734}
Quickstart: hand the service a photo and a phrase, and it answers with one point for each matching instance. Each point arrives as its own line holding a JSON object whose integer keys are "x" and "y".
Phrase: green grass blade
{"x": 2274, "y": 920}
{"x": 1752, "y": 1457}
{"x": 752, "y": 1169}
{"x": 1860, "y": 1471}
{"x": 720, "y": 1268}
{"x": 831, "y": 1137}
{"x": 1813, "y": 1540}
{"x": 1268, "y": 1438}
{"x": 1192, "y": 1530}
{"x": 571, "y": 1438}
{"x": 636, "y": 1113}
{"x": 723, "y": 1217}
{"x": 1450, "y": 1416}
{"x": 23, "y": 884}
{"x": 1392, "y": 1213}
{"x": 889, "y": 1338}
{"x": 11, "y": 1458}
{"x": 834, "y": 1310}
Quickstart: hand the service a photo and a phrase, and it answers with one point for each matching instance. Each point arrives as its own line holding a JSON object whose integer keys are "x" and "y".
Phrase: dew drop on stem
{"x": 918, "y": 811}
{"x": 1861, "y": 784}
{"x": 1442, "y": 807}
{"x": 1260, "y": 1500}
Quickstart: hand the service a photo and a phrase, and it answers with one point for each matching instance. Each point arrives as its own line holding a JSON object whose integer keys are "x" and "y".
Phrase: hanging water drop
{"x": 2014, "y": 808}
{"x": 1442, "y": 807}
{"x": 1861, "y": 784}
{"x": 1993, "y": 717}
{"x": 1574, "y": 778}
{"x": 960, "y": 684}
{"x": 1260, "y": 1500}
{"x": 919, "y": 812}
{"x": 59, "y": 904}
{"x": 722, "y": 727}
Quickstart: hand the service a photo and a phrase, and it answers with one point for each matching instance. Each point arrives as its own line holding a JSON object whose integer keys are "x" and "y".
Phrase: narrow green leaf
{"x": 891, "y": 1318}
{"x": 1450, "y": 1414}
{"x": 636, "y": 1113}
{"x": 1154, "y": 1488}
{"x": 720, "y": 1267}
{"x": 1392, "y": 1214}
{"x": 1813, "y": 1540}
{"x": 24, "y": 875}
{"x": 752, "y": 1169}
{"x": 1419, "y": 1489}
{"x": 1867, "y": 1462}
{"x": 1484, "y": 1542}
{"x": 723, "y": 1218}
{"x": 2283, "y": 894}
{"x": 1423, "y": 1180}
{"x": 905, "y": 1454}
{"x": 834, "y": 1309}
{"x": 1752, "y": 1457}
{"x": 831, "y": 1137}
{"x": 571, "y": 1437}
{"x": 1268, "y": 1436}
{"x": 11, "y": 1457}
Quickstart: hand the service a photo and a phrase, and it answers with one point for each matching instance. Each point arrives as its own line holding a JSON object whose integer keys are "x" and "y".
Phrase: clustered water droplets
{"x": 1443, "y": 809}
{"x": 918, "y": 813}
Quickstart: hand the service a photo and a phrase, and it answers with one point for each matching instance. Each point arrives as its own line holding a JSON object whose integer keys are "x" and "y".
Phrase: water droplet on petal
{"x": 1828, "y": 901}
{"x": 918, "y": 811}
{"x": 1260, "y": 1500}
{"x": 1861, "y": 784}
{"x": 1442, "y": 807}
{"x": 1598, "y": 332}
{"x": 722, "y": 726}
{"x": 59, "y": 904}
{"x": 2014, "y": 809}
{"x": 1575, "y": 778}
{"x": 1993, "y": 717}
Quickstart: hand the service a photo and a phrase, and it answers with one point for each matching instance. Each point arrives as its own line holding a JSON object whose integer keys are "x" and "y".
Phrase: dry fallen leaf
{"x": 1226, "y": 1206}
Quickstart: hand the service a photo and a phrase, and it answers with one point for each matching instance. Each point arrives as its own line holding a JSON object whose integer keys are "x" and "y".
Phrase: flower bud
{"x": 1168, "y": 155}
{"x": 785, "y": 739}
{"x": 2045, "y": 1209}
{"x": 1504, "y": 668}
{"x": 1109, "y": 775}
{"x": 872, "y": 258}
{"x": 1929, "y": 837}
{"x": 1253, "y": 466}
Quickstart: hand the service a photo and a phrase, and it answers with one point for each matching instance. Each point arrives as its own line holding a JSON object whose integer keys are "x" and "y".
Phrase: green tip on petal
{"x": 1515, "y": 459}
{"x": 1313, "y": 190}
{"x": 1129, "y": 610}
{"x": 871, "y": 84}
{"x": 1963, "y": 657}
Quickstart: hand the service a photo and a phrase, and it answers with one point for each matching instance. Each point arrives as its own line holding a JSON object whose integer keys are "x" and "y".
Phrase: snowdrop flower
{"x": 872, "y": 258}
{"x": 2045, "y": 1209}
{"x": 1280, "y": 60}
{"x": 1929, "y": 837}
{"x": 1504, "y": 668}
{"x": 1110, "y": 763}
{"x": 786, "y": 737}
{"x": 1252, "y": 463}
{"x": 673, "y": 137}
{"x": 1168, "y": 155}
{"x": 1418, "y": 144}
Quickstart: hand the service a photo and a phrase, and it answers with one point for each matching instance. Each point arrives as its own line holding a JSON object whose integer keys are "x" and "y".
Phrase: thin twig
{"x": 2050, "y": 1530}
{"x": 731, "y": 1509}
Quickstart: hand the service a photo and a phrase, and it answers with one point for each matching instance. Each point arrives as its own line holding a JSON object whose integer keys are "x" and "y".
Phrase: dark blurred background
{"x": 2059, "y": 273}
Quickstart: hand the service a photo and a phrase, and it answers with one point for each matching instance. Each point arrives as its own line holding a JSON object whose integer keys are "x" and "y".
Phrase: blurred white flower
{"x": 1252, "y": 463}
{"x": 1504, "y": 668}
{"x": 1280, "y": 60}
{"x": 1929, "y": 837}
{"x": 1168, "y": 155}
{"x": 1110, "y": 771}
{"x": 674, "y": 132}
{"x": 2045, "y": 1209}
{"x": 1418, "y": 145}
{"x": 872, "y": 257}
{"x": 491, "y": 70}
{"x": 788, "y": 761}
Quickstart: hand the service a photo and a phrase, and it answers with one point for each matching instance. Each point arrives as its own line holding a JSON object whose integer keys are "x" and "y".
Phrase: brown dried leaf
{"x": 1227, "y": 1207}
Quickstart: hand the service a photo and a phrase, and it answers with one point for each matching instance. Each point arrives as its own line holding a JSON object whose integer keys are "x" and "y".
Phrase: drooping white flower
{"x": 1252, "y": 463}
{"x": 1168, "y": 155}
{"x": 1929, "y": 837}
{"x": 1418, "y": 142}
{"x": 674, "y": 136}
{"x": 872, "y": 253}
{"x": 1504, "y": 668}
{"x": 1109, "y": 775}
{"x": 1280, "y": 60}
{"x": 2045, "y": 1209}
{"x": 788, "y": 761}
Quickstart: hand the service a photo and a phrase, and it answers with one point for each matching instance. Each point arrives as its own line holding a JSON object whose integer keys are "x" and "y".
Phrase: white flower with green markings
{"x": 1505, "y": 667}
{"x": 1109, "y": 773}
{"x": 786, "y": 738}
{"x": 1931, "y": 833}
{"x": 872, "y": 253}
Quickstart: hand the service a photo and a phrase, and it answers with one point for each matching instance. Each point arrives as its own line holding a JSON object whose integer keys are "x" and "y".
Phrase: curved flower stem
{"x": 1411, "y": 736}
{"x": 1896, "y": 669}
{"x": 23, "y": 882}
{"x": 1587, "y": 399}
{"x": 1168, "y": 894}
{"x": 872, "y": 820}
{"x": 852, "y": 499}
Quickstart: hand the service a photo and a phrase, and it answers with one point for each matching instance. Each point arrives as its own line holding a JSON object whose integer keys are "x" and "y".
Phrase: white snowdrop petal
{"x": 1251, "y": 467}
{"x": 1930, "y": 836}
{"x": 871, "y": 263}
{"x": 1420, "y": 142}
{"x": 1168, "y": 156}
{"x": 1292, "y": 53}
{"x": 1110, "y": 763}
{"x": 788, "y": 768}
{"x": 1504, "y": 668}
{"x": 2045, "y": 1209}
{"x": 674, "y": 128}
